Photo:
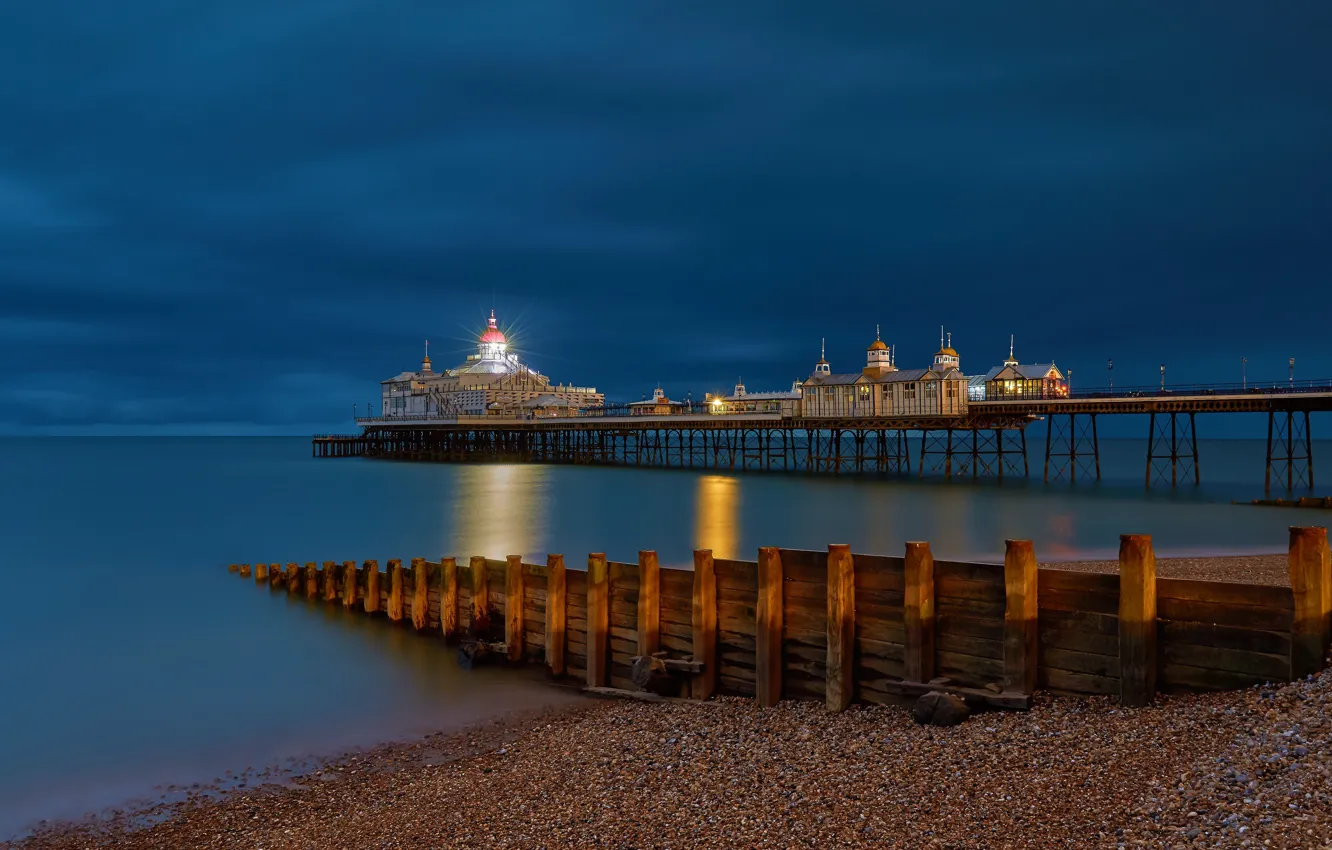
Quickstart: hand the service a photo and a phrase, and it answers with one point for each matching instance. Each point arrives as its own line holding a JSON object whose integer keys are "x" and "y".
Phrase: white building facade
{"x": 492, "y": 382}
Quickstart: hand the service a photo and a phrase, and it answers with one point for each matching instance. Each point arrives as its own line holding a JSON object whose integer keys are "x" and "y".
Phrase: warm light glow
{"x": 499, "y": 510}
{"x": 717, "y": 516}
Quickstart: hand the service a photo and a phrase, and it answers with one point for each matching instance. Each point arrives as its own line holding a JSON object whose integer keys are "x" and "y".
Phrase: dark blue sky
{"x": 238, "y": 217}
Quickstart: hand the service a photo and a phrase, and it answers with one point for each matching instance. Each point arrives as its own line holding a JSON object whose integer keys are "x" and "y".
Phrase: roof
{"x": 764, "y": 396}
{"x": 546, "y": 400}
{"x": 1029, "y": 371}
{"x": 948, "y": 350}
{"x": 878, "y": 345}
{"x": 819, "y": 379}
{"x": 492, "y": 332}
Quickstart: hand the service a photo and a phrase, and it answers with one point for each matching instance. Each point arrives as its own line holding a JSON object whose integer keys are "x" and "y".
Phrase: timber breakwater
{"x": 839, "y": 627}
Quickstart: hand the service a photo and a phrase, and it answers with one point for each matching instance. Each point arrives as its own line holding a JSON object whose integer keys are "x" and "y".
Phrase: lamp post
{"x": 1292, "y": 373}
{"x": 1162, "y": 377}
{"x": 1244, "y": 373}
{"x": 1070, "y": 382}
{"x": 1110, "y": 370}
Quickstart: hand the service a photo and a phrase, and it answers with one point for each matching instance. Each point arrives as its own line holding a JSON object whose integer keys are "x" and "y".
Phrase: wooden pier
{"x": 840, "y": 627}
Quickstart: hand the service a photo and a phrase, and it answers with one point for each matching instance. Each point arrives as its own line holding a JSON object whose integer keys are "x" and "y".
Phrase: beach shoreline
{"x": 1225, "y": 769}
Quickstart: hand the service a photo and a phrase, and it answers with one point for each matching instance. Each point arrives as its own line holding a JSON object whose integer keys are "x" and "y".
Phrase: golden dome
{"x": 878, "y": 345}
{"x": 948, "y": 351}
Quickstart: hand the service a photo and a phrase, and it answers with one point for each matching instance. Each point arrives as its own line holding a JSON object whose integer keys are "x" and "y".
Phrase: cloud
{"x": 246, "y": 216}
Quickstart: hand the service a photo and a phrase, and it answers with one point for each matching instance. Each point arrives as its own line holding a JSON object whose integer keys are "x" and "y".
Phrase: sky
{"x": 239, "y": 217}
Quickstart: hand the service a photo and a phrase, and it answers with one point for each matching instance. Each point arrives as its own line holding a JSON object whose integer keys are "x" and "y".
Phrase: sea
{"x": 133, "y": 661}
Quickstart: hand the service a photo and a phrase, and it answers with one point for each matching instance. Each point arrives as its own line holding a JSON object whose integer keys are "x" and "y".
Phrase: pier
{"x": 987, "y": 440}
{"x": 841, "y": 627}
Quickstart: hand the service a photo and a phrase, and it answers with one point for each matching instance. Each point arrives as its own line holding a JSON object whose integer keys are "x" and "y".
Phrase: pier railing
{"x": 840, "y": 627}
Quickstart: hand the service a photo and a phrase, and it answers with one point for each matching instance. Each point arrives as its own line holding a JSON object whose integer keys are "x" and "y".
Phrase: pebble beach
{"x": 1250, "y": 768}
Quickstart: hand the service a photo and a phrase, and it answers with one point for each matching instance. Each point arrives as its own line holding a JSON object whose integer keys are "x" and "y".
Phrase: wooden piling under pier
{"x": 840, "y": 627}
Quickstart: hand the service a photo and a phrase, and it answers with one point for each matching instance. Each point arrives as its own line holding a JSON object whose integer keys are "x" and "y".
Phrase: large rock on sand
{"x": 940, "y": 709}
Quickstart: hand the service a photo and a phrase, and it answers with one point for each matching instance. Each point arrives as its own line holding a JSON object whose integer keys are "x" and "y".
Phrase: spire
{"x": 1010, "y": 346}
{"x": 823, "y": 349}
{"x": 876, "y": 333}
{"x": 950, "y": 340}
{"x": 941, "y": 336}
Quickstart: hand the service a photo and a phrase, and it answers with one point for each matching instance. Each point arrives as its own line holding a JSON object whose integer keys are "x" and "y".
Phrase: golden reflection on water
{"x": 499, "y": 510}
{"x": 717, "y": 515}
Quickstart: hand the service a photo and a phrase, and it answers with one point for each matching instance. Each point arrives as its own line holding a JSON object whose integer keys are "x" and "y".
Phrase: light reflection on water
{"x": 132, "y": 657}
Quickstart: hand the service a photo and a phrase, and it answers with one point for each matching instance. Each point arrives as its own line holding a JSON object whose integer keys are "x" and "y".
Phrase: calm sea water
{"x": 132, "y": 658}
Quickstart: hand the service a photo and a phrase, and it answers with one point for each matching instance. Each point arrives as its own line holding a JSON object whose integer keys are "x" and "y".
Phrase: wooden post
{"x": 330, "y": 581}
{"x": 420, "y": 593}
{"x": 839, "y": 685}
{"x": 275, "y": 575}
{"x": 480, "y": 598}
{"x": 704, "y": 621}
{"x": 234, "y": 568}
{"x": 1137, "y": 620}
{"x": 1310, "y": 584}
{"x": 768, "y": 628}
{"x": 598, "y": 621}
{"x": 260, "y": 573}
{"x": 395, "y": 589}
{"x": 311, "y": 579}
{"x": 1021, "y": 635}
{"x": 371, "y": 587}
{"x": 448, "y": 598}
{"x": 244, "y": 570}
{"x": 649, "y": 603}
{"x": 918, "y": 613}
{"x": 513, "y": 606}
{"x": 293, "y": 577}
{"x": 555, "y": 614}
{"x": 349, "y": 583}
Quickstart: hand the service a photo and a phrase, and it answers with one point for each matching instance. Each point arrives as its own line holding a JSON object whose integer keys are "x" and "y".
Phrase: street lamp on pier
{"x": 1162, "y": 377}
{"x": 1110, "y": 370}
{"x": 1244, "y": 373}
{"x": 1292, "y": 372}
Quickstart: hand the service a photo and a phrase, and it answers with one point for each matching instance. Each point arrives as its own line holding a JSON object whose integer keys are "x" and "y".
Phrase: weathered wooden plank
{"x": 880, "y": 665}
{"x": 649, "y": 603}
{"x": 945, "y": 605}
{"x": 1309, "y": 583}
{"x": 556, "y": 588}
{"x": 1072, "y": 581}
{"x": 839, "y": 686}
{"x": 918, "y": 614}
{"x": 676, "y": 643}
{"x": 1228, "y": 592}
{"x": 349, "y": 584}
{"x": 968, "y": 669}
{"x": 1261, "y": 666}
{"x": 622, "y": 573}
{"x": 480, "y": 596}
{"x": 420, "y": 593}
{"x": 1067, "y": 600}
{"x": 1183, "y": 677}
{"x": 677, "y": 583}
{"x": 768, "y": 628}
{"x": 804, "y": 593}
{"x": 330, "y": 576}
{"x": 513, "y": 606}
{"x": 979, "y": 627}
{"x": 955, "y": 588}
{"x": 598, "y": 621}
{"x": 804, "y": 566}
{"x": 966, "y": 645}
{"x": 1021, "y": 630}
{"x": 1242, "y": 616}
{"x": 371, "y": 586}
{"x": 1224, "y": 637}
{"x": 395, "y": 590}
{"x": 1105, "y": 624}
{"x": 1072, "y": 682}
{"x": 1137, "y": 620}
{"x": 731, "y": 573}
{"x": 947, "y": 571}
{"x": 1078, "y": 641}
{"x": 1081, "y": 662}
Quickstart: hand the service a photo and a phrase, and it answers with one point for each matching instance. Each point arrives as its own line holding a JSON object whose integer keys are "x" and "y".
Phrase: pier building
{"x": 1014, "y": 380}
{"x": 786, "y": 402}
{"x": 491, "y": 382}
{"x": 881, "y": 389}
{"x": 659, "y": 405}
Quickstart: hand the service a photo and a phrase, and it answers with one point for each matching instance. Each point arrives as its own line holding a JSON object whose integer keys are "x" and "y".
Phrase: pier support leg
{"x": 1175, "y": 446}
{"x": 1289, "y": 450}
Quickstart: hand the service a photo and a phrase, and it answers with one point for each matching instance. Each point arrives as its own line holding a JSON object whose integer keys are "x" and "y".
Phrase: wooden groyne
{"x": 841, "y": 627}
